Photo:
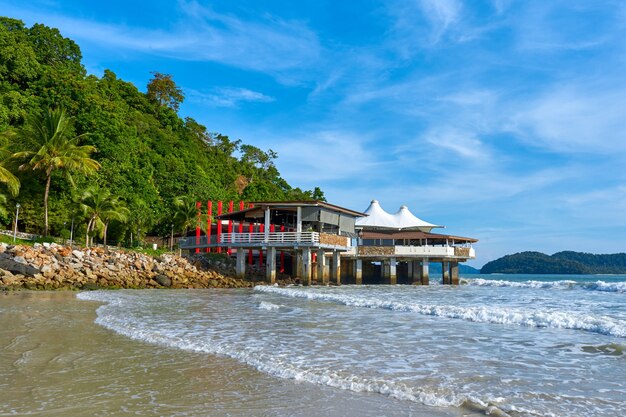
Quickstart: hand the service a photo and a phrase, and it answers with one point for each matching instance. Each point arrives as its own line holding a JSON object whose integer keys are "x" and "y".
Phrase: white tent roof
{"x": 402, "y": 220}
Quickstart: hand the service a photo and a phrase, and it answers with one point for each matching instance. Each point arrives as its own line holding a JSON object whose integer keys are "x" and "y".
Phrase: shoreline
{"x": 61, "y": 363}
{"x": 57, "y": 267}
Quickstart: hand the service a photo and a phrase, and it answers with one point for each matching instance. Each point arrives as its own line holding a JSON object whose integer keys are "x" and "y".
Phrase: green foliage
{"x": 163, "y": 90}
{"x": 148, "y": 154}
{"x": 567, "y": 262}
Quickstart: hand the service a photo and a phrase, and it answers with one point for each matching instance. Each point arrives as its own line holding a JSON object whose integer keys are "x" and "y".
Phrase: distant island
{"x": 566, "y": 262}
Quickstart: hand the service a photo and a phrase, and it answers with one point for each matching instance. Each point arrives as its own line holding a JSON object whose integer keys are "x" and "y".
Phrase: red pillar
{"x": 209, "y": 222}
{"x": 261, "y": 230}
{"x": 282, "y": 254}
{"x": 198, "y": 205}
{"x": 219, "y": 225}
{"x": 250, "y": 230}
{"x": 241, "y": 206}
{"x": 230, "y": 223}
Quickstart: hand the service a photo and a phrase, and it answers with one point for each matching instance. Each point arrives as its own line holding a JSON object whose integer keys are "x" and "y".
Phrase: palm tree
{"x": 48, "y": 147}
{"x": 102, "y": 207}
{"x": 186, "y": 215}
{"x": 6, "y": 176}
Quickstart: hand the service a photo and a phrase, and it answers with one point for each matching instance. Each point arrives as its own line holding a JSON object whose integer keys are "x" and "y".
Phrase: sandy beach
{"x": 57, "y": 362}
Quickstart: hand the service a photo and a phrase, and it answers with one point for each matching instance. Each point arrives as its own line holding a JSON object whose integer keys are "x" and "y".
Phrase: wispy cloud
{"x": 267, "y": 44}
{"x": 228, "y": 97}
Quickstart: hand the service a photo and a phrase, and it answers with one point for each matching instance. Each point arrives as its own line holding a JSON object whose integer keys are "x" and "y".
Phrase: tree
{"x": 48, "y": 147}
{"x": 186, "y": 215}
{"x": 101, "y": 207}
{"x": 164, "y": 91}
{"x": 6, "y": 176}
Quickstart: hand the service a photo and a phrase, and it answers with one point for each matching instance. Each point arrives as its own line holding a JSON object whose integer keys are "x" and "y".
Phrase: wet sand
{"x": 56, "y": 362}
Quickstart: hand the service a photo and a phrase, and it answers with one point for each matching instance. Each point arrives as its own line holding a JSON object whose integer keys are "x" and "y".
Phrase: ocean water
{"x": 496, "y": 345}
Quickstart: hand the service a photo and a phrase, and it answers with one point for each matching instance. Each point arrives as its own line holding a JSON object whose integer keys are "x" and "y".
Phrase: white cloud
{"x": 574, "y": 119}
{"x": 228, "y": 97}
{"x": 442, "y": 14}
{"x": 268, "y": 44}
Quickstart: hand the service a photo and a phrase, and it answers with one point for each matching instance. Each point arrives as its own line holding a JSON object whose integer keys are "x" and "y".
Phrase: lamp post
{"x": 172, "y": 237}
{"x": 64, "y": 225}
{"x": 17, "y": 215}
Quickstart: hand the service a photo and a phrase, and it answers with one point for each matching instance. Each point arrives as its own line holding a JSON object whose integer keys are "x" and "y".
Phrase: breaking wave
{"x": 497, "y": 315}
{"x": 618, "y": 287}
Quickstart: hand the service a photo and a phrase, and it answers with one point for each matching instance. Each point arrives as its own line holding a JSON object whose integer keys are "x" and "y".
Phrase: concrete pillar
{"x": 358, "y": 272}
{"x": 454, "y": 273}
{"x": 336, "y": 267}
{"x": 322, "y": 276}
{"x": 415, "y": 275}
{"x": 270, "y": 265}
{"x": 240, "y": 264}
{"x": 445, "y": 272}
{"x": 393, "y": 277}
{"x": 266, "y": 230}
{"x": 305, "y": 276}
{"x": 425, "y": 272}
{"x": 296, "y": 264}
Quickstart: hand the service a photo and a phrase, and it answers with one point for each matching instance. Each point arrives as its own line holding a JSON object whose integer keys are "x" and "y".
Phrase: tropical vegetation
{"x": 566, "y": 262}
{"x": 72, "y": 141}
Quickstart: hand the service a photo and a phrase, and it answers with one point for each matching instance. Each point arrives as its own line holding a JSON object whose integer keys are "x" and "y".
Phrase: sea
{"x": 498, "y": 345}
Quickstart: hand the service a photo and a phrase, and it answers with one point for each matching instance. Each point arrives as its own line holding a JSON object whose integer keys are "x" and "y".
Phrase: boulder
{"x": 18, "y": 267}
{"x": 163, "y": 280}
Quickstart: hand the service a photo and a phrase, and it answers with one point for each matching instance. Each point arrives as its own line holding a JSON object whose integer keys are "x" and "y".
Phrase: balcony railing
{"x": 253, "y": 239}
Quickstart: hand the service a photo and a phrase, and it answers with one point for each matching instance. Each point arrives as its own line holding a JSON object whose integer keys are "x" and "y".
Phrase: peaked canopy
{"x": 378, "y": 218}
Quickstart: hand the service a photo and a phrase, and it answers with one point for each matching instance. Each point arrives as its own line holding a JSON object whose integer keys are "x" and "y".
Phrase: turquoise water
{"x": 517, "y": 345}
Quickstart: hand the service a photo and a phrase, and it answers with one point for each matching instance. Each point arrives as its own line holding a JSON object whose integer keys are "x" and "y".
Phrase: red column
{"x": 209, "y": 222}
{"x": 250, "y": 230}
{"x": 198, "y": 205}
{"x": 230, "y": 223}
{"x": 219, "y": 225}
{"x": 241, "y": 206}
{"x": 261, "y": 230}
{"x": 282, "y": 254}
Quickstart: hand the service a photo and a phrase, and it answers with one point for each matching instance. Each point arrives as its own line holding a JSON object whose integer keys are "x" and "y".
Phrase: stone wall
{"x": 376, "y": 250}
{"x": 328, "y": 239}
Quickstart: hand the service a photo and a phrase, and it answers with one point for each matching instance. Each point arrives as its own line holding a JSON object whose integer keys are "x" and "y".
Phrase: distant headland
{"x": 566, "y": 262}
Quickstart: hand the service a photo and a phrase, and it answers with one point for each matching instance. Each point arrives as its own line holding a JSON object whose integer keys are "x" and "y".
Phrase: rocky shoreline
{"x": 50, "y": 266}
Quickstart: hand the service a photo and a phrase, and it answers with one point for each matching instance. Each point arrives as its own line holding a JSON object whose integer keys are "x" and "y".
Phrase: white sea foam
{"x": 111, "y": 316}
{"x": 524, "y": 284}
{"x": 618, "y": 287}
{"x": 264, "y": 305}
{"x": 606, "y": 286}
{"x": 497, "y": 315}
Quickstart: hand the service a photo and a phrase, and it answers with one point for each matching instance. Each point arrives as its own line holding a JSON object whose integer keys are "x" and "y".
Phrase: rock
{"x": 78, "y": 254}
{"x": 163, "y": 280}
{"x": 20, "y": 259}
{"x": 18, "y": 267}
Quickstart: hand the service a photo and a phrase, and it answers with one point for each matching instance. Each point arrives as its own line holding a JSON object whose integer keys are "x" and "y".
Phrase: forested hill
{"x": 149, "y": 155}
{"x": 566, "y": 262}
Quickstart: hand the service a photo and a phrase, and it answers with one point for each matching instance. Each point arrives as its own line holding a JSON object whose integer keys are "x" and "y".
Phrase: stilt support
{"x": 240, "y": 263}
{"x": 445, "y": 273}
{"x": 336, "y": 267}
{"x": 322, "y": 275}
{"x": 270, "y": 265}
{"x": 358, "y": 271}
{"x": 454, "y": 273}
{"x": 305, "y": 275}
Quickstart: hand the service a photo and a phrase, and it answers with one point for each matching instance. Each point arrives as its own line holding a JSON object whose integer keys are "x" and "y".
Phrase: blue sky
{"x": 503, "y": 120}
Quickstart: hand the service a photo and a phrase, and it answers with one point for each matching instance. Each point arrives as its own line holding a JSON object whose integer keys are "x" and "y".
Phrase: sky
{"x": 503, "y": 120}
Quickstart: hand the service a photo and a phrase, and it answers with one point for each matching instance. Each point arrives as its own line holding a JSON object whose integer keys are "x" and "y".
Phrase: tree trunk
{"x": 87, "y": 233}
{"x": 45, "y": 202}
{"x": 106, "y": 225}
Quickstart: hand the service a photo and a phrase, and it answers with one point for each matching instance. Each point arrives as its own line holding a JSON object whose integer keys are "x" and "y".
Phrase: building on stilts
{"x": 318, "y": 242}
